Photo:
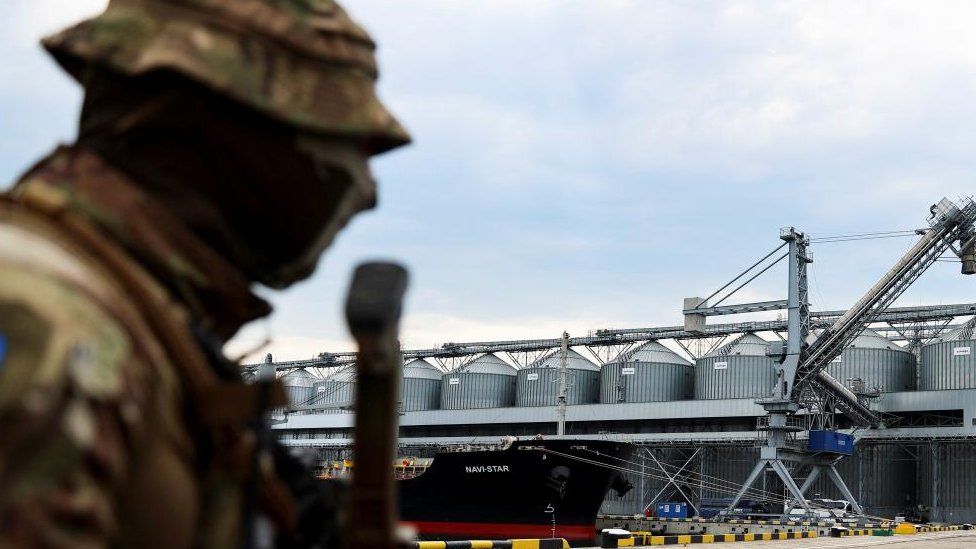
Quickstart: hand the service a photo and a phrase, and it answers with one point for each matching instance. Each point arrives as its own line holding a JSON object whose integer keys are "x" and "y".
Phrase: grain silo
{"x": 649, "y": 373}
{"x": 950, "y": 361}
{"x": 538, "y": 384}
{"x": 878, "y": 363}
{"x": 421, "y": 389}
{"x": 739, "y": 369}
{"x": 337, "y": 391}
{"x": 298, "y": 386}
{"x": 485, "y": 382}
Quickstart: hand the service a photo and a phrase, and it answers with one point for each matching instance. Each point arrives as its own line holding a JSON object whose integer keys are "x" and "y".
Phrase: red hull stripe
{"x": 503, "y": 531}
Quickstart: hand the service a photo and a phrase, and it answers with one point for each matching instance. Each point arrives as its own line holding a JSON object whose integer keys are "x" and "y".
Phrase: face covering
{"x": 333, "y": 161}
{"x": 267, "y": 197}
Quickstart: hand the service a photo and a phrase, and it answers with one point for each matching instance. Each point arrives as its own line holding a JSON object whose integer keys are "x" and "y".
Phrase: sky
{"x": 581, "y": 165}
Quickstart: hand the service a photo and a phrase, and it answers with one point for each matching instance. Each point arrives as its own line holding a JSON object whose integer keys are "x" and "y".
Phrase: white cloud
{"x": 663, "y": 142}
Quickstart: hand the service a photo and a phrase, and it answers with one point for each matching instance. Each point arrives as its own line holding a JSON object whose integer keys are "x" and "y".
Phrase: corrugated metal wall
{"x": 887, "y": 479}
{"x": 884, "y": 369}
{"x": 948, "y": 365}
{"x": 733, "y": 465}
{"x": 540, "y": 386}
{"x": 468, "y": 390}
{"x": 947, "y": 478}
{"x": 298, "y": 395}
{"x": 639, "y": 381}
{"x": 420, "y": 394}
{"x": 646, "y": 488}
{"x": 334, "y": 393}
{"x": 738, "y": 376}
{"x": 881, "y": 476}
{"x": 714, "y": 472}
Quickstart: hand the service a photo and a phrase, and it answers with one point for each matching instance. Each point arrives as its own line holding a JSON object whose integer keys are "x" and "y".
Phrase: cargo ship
{"x": 521, "y": 489}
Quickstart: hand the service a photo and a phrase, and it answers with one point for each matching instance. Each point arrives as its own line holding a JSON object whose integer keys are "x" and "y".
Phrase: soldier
{"x": 222, "y": 143}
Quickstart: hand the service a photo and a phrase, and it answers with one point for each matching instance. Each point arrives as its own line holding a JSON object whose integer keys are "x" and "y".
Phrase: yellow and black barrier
{"x": 749, "y": 521}
{"x": 641, "y": 539}
{"x": 773, "y": 522}
{"x": 938, "y": 528}
{"x": 546, "y": 543}
{"x": 844, "y": 532}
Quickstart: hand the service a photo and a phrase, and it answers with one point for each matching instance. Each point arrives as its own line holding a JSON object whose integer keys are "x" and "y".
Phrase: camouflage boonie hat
{"x": 303, "y": 62}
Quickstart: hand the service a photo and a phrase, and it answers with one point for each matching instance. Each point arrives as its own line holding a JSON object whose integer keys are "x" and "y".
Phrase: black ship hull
{"x": 532, "y": 489}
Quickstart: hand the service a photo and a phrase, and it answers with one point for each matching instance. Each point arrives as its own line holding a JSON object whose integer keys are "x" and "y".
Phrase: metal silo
{"x": 485, "y": 382}
{"x": 538, "y": 384}
{"x": 337, "y": 391}
{"x": 421, "y": 389}
{"x": 649, "y": 373}
{"x": 739, "y": 369}
{"x": 879, "y": 363}
{"x": 298, "y": 386}
{"x": 950, "y": 361}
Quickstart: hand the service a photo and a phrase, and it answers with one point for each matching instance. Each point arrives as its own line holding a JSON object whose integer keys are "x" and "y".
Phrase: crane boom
{"x": 949, "y": 224}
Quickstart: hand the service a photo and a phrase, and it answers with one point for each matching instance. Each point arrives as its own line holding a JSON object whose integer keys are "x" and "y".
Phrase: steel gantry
{"x": 901, "y": 323}
{"x": 801, "y": 380}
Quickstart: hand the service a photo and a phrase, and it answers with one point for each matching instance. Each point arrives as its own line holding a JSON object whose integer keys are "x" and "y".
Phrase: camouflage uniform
{"x": 109, "y": 438}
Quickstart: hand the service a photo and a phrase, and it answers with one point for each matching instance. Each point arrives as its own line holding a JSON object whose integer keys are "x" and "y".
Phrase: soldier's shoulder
{"x": 55, "y": 329}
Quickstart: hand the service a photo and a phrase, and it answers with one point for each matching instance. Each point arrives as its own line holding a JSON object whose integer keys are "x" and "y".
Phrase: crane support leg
{"x": 787, "y": 478}
{"x": 781, "y": 471}
{"x": 811, "y": 478}
{"x": 834, "y": 477}
{"x": 842, "y": 486}
{"x": 750, "y": 480}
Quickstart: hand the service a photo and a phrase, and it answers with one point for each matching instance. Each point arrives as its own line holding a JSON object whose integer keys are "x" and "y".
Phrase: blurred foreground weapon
{"x": 365, "y": 513}
{"x": 373, "y": 313}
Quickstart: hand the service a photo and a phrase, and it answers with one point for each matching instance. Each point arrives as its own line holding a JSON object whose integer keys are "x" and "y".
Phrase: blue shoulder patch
{"x": 3, "y": 349}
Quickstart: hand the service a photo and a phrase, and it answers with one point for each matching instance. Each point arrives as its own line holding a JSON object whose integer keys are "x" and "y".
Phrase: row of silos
{"x": 651, "y": 373}
{"x": 420, "y": 388}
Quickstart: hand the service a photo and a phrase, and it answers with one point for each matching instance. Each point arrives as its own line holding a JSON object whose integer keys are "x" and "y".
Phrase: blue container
{"x": 844, "y": 444}
{"x": 672, "y": 510}
{"x": 820, "y": 441}
{"x": 831, "y": 442}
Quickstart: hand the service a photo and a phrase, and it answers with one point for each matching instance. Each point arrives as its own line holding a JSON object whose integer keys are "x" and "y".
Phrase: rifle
{"x": 373, "y": 309}
{"x": 373, "y": 313}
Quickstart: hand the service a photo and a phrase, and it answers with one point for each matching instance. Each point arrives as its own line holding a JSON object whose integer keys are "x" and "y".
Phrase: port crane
{"x": 802, "y": 383}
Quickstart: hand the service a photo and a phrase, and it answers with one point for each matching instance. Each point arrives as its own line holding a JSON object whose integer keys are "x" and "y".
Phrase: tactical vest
{"x": 196, "y": 471}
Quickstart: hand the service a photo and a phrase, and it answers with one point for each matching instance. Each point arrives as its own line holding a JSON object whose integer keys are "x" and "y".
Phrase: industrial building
{"x": 726, "y": 411}
{"x": 694, "y": 419}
